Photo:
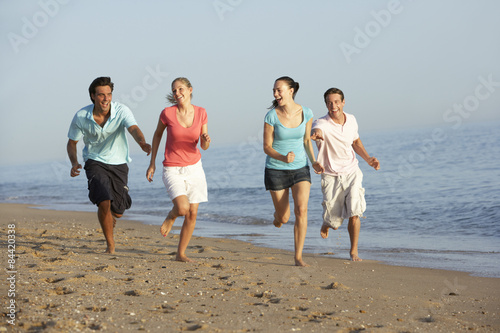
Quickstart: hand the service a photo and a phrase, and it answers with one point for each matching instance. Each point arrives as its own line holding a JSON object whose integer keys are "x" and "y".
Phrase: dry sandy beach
{"x": 64, "y": 283}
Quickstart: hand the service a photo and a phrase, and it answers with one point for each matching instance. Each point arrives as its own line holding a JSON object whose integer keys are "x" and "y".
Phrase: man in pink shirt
{"x": 337, "y": 138}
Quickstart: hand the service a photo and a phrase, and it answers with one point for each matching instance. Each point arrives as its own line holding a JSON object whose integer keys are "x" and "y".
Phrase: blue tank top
{"x": 287, "y": 140}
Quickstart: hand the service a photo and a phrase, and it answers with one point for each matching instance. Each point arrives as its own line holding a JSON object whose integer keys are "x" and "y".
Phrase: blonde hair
{"x": 170, "y": 97}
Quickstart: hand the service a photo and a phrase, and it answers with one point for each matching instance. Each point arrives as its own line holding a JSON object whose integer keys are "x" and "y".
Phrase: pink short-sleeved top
{"x": 181, "y": 147}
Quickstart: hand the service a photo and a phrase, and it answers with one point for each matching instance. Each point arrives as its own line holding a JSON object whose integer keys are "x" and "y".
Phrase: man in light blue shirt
{"x": 102, "y": 126}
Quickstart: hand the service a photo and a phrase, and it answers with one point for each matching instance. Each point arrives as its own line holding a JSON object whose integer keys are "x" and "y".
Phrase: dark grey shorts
{"x": 108, "y": 182}
{"x": 276, "y": 180}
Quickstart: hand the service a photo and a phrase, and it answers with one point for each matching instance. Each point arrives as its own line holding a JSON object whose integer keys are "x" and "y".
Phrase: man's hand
{"x": 136, "y": 133}
{"x": 146, "y": 147}
{"x": 75, "y": 170}
{"x": 317, "y": 134}
{"x": 373, "y": 162}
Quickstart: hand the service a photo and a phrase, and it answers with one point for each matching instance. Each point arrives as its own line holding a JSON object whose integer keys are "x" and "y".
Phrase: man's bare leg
{"x": 324, "y": 230}
{"x": 115, "y": 216}
{"x": 353, "y": 228}
{"x": 106, "y": 220}
{"x": 186, "y": 233}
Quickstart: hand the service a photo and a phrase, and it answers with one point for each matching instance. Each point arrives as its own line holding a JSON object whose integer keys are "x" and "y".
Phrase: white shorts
{"x": 343, "y": 197}
{"x": 189, "y": 181}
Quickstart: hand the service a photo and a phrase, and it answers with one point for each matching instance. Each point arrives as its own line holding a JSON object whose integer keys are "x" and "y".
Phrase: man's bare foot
{"x": 167, "y": 225}
{"x": 300, "y": 263}
{"x": 354, "y": 257}
{"x": 324, "y": 230}
{"x": 183, "y": 258}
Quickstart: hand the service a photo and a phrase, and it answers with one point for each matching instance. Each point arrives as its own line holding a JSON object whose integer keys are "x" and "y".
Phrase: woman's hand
{"x": 205, "y": 137}
{"x": 150, "y": 173}
{"x": 205, "y": 140}
{"x": 289, "y": 158}
{"x": 318, "y": 168}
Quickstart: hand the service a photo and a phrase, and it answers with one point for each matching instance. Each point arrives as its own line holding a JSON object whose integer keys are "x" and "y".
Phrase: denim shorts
{"x": 276, "y": 180}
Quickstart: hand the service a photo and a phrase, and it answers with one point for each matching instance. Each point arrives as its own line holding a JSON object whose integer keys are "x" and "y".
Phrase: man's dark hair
{"x": 334, "y": 91}
{"x": 99, "y": 82}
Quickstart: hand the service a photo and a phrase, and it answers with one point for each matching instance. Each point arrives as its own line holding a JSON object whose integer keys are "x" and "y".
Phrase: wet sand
{"x": 65, "y": 283}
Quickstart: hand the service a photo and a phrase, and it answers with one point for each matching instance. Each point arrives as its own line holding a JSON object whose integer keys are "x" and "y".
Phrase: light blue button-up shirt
{"x": 106, "y": 144}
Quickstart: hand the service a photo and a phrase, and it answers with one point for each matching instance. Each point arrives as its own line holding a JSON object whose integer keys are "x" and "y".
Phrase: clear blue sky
{"x": 402, "y": 64}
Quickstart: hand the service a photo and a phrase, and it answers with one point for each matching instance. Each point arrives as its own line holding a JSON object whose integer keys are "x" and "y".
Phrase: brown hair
{"x": 170, "y": 97}
{"x": 100, "y": 82}
{"x": 291, "y": 83}
{"x": 334, "y": 91}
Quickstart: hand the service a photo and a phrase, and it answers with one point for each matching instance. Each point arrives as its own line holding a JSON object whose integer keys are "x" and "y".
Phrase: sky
{"x": 401, "y": 64}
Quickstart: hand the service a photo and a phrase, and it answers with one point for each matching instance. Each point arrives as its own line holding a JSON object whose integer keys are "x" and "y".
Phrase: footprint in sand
{"x": 132, "y": 293}
{"x": 61, "y": 291}
{"x": 96, "y": 309}
{"x": 196, "y": 327}
{"x": 165, "y": 308}
{"x": 53, "y": 280}
{"x": 336, "y": 286}
{"x": 106, "y": 268}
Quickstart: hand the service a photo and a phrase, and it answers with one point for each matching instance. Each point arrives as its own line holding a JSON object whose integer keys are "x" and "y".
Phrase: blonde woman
{"x": 183, "y": 175}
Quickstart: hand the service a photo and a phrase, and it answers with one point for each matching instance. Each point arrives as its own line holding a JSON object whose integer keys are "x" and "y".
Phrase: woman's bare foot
{"x": 355, "y": 257}
{"x": 110, "y": 249}
{"x": 167, "y": 225}
{"x": 277, "y": 223}
{"x": 183, "y": 258}
{"x": 301, "y": 263}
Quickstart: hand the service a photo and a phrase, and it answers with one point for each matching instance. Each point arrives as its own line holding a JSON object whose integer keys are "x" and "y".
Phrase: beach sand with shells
{"x": 61, "y": 281}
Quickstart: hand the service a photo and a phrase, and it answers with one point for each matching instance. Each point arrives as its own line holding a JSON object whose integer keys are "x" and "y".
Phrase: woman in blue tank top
{"x": 287, "y": 144}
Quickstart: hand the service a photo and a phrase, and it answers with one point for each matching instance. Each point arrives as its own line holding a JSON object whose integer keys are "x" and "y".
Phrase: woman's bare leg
{"x": 300, "y": 193}
{"x": 187, "y": 232}
{"x": 281, "y": 207}
{"x": 181, "y": 208}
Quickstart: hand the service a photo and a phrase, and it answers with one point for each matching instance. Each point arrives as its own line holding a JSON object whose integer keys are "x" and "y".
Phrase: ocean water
{"x": 434, "y": 203}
